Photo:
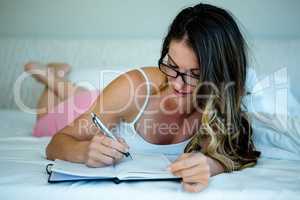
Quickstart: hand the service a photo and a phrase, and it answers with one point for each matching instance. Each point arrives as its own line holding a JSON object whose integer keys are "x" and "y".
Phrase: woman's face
{"x": 183, "y": 58}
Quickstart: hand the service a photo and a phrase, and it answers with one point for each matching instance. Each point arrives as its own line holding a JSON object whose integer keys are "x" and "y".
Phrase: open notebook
{"x": 140, "y": 167}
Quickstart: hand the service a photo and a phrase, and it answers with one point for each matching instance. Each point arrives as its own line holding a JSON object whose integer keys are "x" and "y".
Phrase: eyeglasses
{"x": 191, "y": 79}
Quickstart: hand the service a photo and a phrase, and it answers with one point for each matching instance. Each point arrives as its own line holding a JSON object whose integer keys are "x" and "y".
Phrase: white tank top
{"x": 137, "y": 143}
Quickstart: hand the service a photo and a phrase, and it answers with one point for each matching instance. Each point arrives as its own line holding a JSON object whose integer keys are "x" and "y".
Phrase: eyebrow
{"x": 172, "y": 60}
{"x": 176, "y": 64}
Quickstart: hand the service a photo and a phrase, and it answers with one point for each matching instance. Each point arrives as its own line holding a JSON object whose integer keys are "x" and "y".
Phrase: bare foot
{"x": 60, "y": 69}
{"x": 42, "y": 72}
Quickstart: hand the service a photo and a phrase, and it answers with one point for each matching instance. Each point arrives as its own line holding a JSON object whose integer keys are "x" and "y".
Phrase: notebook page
{"x": 63, "y": 177}
{"x": 77, "y": 169}
{"x": 143, "y": 163}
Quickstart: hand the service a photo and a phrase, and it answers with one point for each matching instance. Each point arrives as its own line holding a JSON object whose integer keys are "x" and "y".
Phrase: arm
{"x": 66, "y": 147}
{"x": 78, "y": 143}
{"x": 94, "y": 152}
{"x": 215, "y": 166}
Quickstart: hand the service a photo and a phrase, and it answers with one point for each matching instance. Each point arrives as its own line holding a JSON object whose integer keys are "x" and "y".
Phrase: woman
{"x": 191, "y": 104}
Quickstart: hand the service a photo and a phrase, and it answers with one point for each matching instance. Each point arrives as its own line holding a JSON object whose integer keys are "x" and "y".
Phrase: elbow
{"x": 49, "y": 153}
{"x": 51, "y": 148}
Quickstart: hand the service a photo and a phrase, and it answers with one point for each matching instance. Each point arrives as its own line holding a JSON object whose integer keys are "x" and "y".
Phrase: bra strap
{"x": 147, "y": 97}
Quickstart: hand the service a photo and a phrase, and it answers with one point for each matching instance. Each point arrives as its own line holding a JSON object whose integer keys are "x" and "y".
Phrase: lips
{"x": 180, "y": 93}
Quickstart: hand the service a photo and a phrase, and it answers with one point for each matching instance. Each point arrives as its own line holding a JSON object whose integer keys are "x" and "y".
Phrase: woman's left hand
{"x": 194, "y": 170}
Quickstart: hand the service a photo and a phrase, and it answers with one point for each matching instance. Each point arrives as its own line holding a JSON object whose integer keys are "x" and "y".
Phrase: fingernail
{"x": 169, "y": 168}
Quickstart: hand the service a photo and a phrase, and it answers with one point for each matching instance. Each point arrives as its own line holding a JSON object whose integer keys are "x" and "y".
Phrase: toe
{"x": 32, "y": 65}
{"x": 61, "y": 69}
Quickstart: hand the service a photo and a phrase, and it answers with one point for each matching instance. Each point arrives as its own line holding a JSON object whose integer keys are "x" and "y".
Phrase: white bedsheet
{"x": 23, "y": 175}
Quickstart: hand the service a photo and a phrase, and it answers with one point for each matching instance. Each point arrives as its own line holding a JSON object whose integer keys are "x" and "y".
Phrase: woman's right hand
{"x": 104, "y": 151}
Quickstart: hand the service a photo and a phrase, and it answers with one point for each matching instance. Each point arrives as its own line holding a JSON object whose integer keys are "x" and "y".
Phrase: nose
{"x": 178, "y": 83}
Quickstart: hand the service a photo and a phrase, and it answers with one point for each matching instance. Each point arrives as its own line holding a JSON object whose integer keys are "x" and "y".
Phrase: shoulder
{"x": 135, "y": 79}
{"x": 131, "y": 85}
{"x": 152, "y": 72}
{"x": 155, "y": 76}
{"x": 134, "y": 83}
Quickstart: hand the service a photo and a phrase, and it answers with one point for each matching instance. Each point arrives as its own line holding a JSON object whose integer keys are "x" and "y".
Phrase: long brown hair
{"x": 221, "y": 52}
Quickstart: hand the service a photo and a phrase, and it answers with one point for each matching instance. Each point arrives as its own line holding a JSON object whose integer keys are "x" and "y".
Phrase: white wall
{"x": 135, "y": 18}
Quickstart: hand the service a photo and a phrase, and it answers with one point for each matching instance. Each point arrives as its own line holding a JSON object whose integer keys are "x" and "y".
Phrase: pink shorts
{"x": 64, "y": 113}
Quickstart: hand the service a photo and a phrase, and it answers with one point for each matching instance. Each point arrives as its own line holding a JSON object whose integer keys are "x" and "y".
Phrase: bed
{"x": 22, "y": 157}
{"x": 23, "y": 174}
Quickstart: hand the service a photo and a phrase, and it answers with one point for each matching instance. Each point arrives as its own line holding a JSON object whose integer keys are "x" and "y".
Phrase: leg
{"x": 61, "y": 87}
{"x": 52, "y": 76}
{"x": 57, "y": 88}
{"x": 47, "y": 101}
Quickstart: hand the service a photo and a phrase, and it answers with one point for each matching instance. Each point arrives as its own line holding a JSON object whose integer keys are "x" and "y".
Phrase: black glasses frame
{"x": 178, "y": 73}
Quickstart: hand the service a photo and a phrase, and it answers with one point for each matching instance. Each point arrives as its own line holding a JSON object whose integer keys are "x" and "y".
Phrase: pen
{"x": 106, "y": 131}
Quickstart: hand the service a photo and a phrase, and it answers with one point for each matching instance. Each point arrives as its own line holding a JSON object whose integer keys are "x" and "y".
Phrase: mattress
{"x": 23, "y": 175}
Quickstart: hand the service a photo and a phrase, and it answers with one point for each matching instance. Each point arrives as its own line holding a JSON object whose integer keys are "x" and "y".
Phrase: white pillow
{"x": 276, "y": 135}
{"x": 275, "y": 116}
{"x": 271, "y": 94}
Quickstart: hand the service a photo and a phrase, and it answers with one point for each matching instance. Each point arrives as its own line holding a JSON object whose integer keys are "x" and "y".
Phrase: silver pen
{"x": 106, "y": 131}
